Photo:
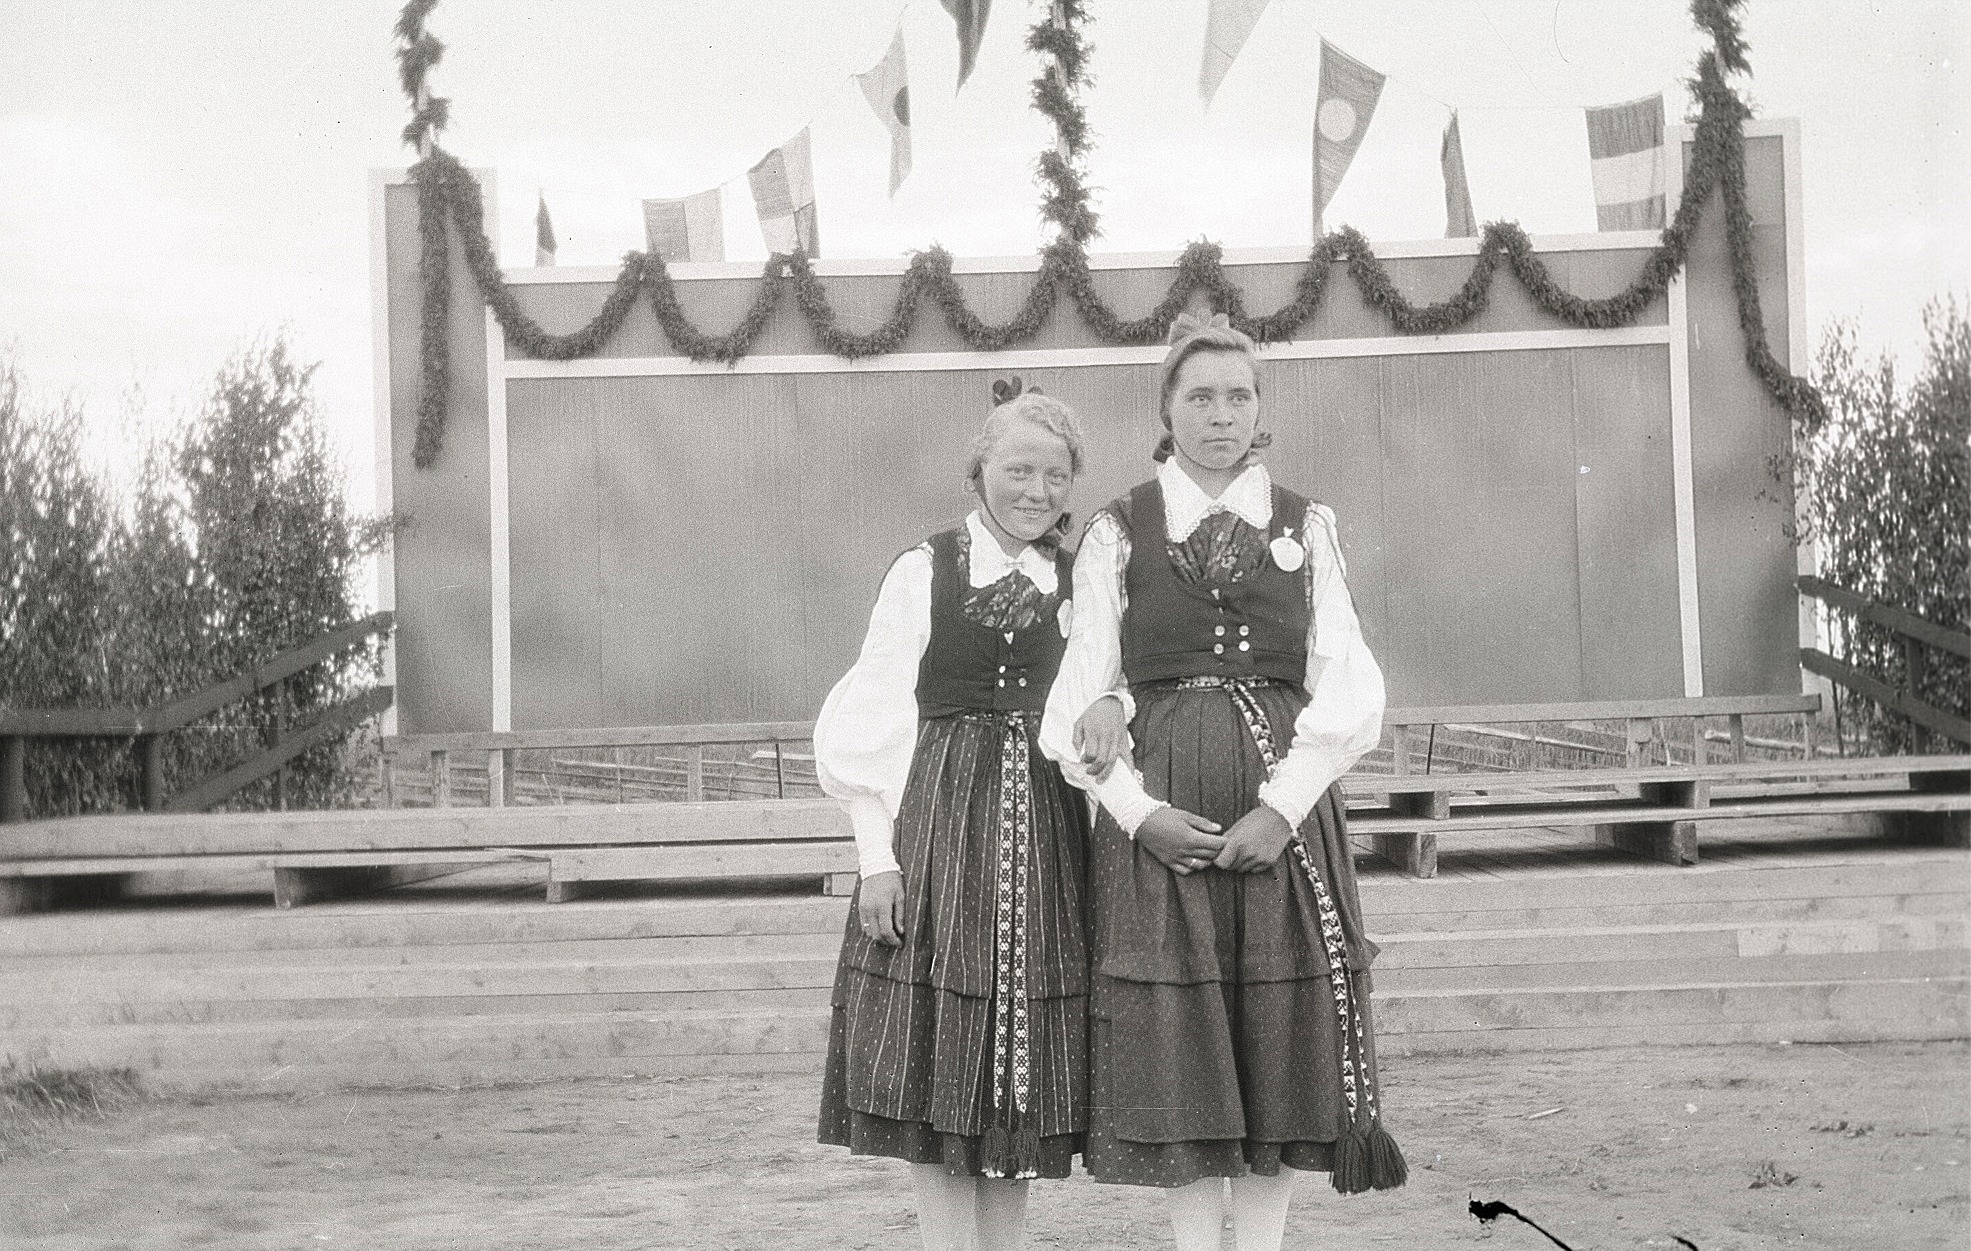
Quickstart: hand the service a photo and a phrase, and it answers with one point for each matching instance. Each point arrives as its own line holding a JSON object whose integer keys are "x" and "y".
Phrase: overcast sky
{"x": 177, "y": 176}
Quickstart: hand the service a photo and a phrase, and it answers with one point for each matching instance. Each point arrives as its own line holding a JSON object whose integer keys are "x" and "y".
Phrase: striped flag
{"x": 543, "y": 235}
{"x": 783, "y": 195}
{"x": 1344, "y": 104}
{"x": 1226, "y": 27}
{"x": 970, "y": 15}
{"x": 1459, "y": 221}
{"x": 887, "y": 88}
{"x": 690, "y": 229}
{"x": 1625, "y": 146}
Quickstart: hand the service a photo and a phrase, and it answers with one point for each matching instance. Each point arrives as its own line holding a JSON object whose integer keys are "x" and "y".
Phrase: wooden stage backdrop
{"x": 1530, "y": 512}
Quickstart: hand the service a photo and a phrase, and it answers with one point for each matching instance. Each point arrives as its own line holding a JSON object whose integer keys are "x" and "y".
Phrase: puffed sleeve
{"x": 1091, "y": 668}
{"x": 867, "y": 731}
{"x": 1343, "y": 717}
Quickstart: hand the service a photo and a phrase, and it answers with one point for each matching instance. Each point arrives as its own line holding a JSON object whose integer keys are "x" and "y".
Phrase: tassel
{"x": 996, "y": 1152}
{"x": 1386, "y": 1167}
{"x": 1026, "y": 1153}
{"x": 1351, "y": 1171}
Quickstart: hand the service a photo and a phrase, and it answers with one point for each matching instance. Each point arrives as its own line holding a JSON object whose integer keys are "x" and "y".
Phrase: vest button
{"x": 1218, "y": 630}
{"x": 1002, "y": 668}
{"x": 1217, "y": 649}
{"x": 1244, "y": 630}
{"x": 1002, "y": 681}
{"x": 1244, "y": 646}
{"x": 1023, "y": 681}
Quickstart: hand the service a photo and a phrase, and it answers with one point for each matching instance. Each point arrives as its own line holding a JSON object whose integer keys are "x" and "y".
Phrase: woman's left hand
{"x": 1255, "y": 842}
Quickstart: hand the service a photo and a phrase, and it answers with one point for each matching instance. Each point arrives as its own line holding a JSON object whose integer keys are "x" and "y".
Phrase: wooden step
{"x": 1702, "y": 971}
{"x": 260, "y": 1046}
{"x": 1488, "y": 949}
{"x": 74, "y": 1012}
{"x": 407, "y": 922}
{"x": 1816, "y": 908}
{"x": 225, "y": 833}
{"x": 396, "y": 1074}
{"x": 1923, "y": 1000}
{"x": 1391, "y": 1048}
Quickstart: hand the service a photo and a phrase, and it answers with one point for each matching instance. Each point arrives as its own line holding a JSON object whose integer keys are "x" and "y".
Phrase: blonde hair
{"x": 1044, "y": 411}
{"x": 1189, "y": 335}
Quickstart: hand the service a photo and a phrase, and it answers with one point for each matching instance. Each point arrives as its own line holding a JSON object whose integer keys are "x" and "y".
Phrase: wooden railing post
{"x": 496, "y": 778}
{"x": 1399, "y": 746}
{"x": 1641, "y": 731}
{"x": 1738, "y": 737}
{"x": 780, "y": 768}
{"x": 150, "y": 772}
{"x": 441, "y": 779}
{"x": 13, "y": 778}
{"x": 694, "y": 773}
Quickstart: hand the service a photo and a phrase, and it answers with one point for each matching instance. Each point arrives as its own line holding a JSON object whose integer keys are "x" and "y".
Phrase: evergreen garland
{"x": 447, "y": 193}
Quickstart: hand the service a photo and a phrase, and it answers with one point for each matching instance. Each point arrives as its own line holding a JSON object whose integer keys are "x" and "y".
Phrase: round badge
{"x": 1287, "y": 554}
{"x": 1065, "y": 616}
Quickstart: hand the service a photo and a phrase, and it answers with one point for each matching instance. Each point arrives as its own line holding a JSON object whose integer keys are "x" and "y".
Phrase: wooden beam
{"x": 621, "y": 736}
{"x": 13, "y": 778}
{"x": 210, "y": 699}
{"x": 1897, "y": 619}
{"x": 1606, "y": 710}
{"x": 1902, "y": 703}
{"x": 336, "y": 721}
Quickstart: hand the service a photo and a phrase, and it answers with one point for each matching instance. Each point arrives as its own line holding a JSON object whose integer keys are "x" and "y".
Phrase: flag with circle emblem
{"x": 1625, "y": 146}
{"x": 1343, "y": 106}
{"x": 543, "y": 235}
{"x": 1459, "y": 221}
{"x": 970, "y": 18}
{"x": 887, "y": 88}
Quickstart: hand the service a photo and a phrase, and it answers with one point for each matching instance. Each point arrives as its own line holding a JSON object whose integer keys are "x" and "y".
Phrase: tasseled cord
{"x": 1007, "y": 1152}
{"x": 1368, "y": 1159}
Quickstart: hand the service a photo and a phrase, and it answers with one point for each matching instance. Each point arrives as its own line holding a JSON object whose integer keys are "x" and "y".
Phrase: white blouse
{"x": 1345, "y": 697}
{"x": 867, "y": 731}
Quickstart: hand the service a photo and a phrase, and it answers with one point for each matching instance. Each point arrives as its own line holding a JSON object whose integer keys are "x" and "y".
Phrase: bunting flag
{"x": 1625, "y": 145}
{"x": 690, "y": 229}
{"x": 543, "y": 235}
{"x": 1344, "y": 104}
{"x": 1459, "y": 221}
{"x": 970, "y": 15}
{"x": 783, "y": 195}
{"x": 1226, "y": 28}
{"x": 887, "y": 88}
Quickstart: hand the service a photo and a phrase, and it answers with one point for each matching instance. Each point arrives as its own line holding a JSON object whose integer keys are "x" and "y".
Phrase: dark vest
{"x": 968, "y": 667}
{"x": 1174, "y": 629}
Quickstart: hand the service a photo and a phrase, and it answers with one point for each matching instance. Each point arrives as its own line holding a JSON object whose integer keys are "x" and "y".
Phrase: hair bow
{"x": 1187, "y": 323}
{"x": 1007, "y": 389}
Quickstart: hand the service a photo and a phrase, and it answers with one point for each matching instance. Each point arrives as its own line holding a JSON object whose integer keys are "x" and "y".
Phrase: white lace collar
{"x": 990, "y": 562}
{"x": 1185, "y": 505}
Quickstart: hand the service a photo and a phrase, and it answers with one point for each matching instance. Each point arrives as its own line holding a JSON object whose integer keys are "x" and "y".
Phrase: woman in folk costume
{"x": 1216, "y": 685}
{"x": 959, "y": 1035}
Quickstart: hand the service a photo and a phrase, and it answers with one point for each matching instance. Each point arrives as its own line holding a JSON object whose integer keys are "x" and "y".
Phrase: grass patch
{"x": 34, "y": 1101}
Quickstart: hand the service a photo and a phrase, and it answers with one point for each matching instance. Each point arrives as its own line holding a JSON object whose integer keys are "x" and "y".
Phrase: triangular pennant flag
{"x": 1459, "y": 221}
{"x": 887, "y": 88}
{"x": 543, "y": 235}
{"x": 1344, "y": 104}
{"x": 783, "y": 195}
{"x": 1625, "y": 146}
{"x": 1226, "y": 27}
{"x": 970, "y": 15}
{"x": 690, "y": 229}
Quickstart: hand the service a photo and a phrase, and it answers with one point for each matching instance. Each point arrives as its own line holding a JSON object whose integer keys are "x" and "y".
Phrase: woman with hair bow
{"x": 959, "y": 1034}
{"x": 1215, "y": 687}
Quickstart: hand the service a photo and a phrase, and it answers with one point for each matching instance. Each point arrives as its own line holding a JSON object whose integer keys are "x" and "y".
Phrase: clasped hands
{"x": 1182, "y": 842}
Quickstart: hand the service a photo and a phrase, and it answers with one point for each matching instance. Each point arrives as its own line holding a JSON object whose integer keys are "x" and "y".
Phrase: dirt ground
{"x": 1728, "y": 1147}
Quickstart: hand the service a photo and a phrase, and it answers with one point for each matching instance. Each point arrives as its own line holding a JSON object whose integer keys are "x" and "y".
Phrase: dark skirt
{"x": 967, "y": 1045}
{"x": 1218, "y": 1045}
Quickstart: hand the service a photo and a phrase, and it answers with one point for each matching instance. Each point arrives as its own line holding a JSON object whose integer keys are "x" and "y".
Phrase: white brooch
{"x": 1287, "y": 554}
{"x": 1065, "y": 616}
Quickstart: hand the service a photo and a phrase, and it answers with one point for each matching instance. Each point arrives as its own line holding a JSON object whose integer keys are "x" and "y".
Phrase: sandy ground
{"x": 1728, "y": 1147}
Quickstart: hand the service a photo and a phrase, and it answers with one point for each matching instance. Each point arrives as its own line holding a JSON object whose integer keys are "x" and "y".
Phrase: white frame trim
{"x": 1799, "y": 354}
{"x": 1065, "y": 358}
{"x": 1682, "y": 473}
{"x": 499, "y": 581}
{"x": 380, "y": 181}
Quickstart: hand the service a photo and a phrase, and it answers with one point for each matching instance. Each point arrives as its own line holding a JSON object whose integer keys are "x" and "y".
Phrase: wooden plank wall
{"x": 704, "y": 548}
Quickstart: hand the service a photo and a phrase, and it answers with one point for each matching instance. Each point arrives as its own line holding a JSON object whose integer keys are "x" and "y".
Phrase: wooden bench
{"x": 1654, "y": 811}
{"x": 314, "y": 854}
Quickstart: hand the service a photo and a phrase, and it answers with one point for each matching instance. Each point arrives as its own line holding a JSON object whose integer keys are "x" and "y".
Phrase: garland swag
{"x": 448, "y": 194}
